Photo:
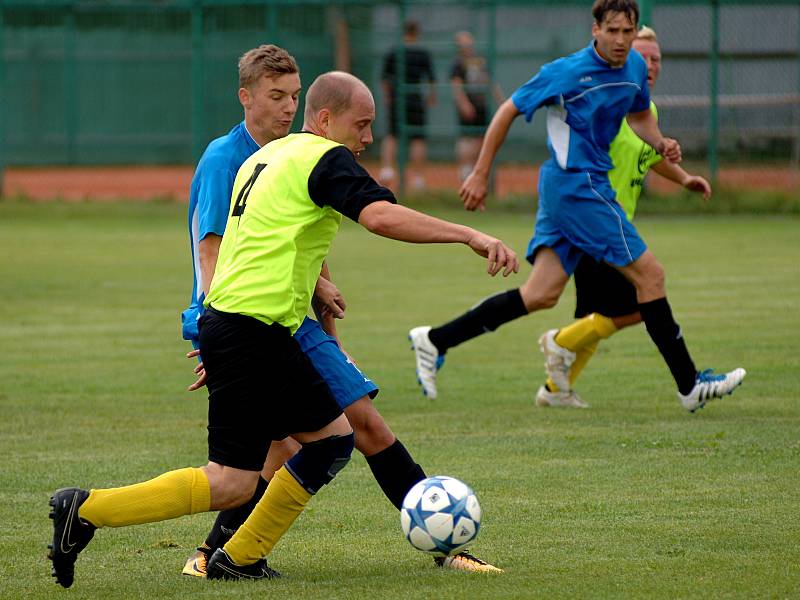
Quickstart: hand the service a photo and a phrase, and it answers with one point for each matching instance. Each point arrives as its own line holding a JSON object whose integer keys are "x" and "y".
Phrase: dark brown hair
{"x": 411, "y": 28}
{"x": 602, "y": 7}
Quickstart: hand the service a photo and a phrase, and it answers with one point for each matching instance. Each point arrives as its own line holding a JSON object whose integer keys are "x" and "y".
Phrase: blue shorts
{"x": 346, "y": 382}
{"x": 578, "y": 214}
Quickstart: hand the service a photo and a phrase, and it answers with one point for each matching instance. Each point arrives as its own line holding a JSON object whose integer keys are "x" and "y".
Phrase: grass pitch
{"x": 631, "y": 498}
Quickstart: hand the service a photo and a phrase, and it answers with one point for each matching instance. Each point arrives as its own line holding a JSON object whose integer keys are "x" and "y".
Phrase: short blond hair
{"x": 267, "y": 59}
{"x": 647, "y": 33}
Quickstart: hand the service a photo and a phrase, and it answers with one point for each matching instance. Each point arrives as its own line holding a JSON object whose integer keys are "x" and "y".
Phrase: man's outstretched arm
{"x": 400, "y": 223}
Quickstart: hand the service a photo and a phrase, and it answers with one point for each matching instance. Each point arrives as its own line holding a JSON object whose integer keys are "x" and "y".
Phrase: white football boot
{"x": 545, "y": 397}
{"x": 428, "y": 360}
{"x": 709, "y": 386}
{"x": 557, "y": 360}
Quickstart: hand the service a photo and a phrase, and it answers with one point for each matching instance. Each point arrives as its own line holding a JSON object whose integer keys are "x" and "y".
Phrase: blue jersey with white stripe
{"x": 209, "y": 202}
{"x": 586, "y": 100}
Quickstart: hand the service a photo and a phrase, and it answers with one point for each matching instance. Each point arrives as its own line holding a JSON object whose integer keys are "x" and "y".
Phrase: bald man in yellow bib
{"x": 287, "y": 203}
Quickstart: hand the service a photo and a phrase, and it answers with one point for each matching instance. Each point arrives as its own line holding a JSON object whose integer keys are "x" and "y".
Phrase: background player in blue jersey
{"x": 587, "y": 95}
{"x": 605, "y": 300}
{"x": 269, "y": 88}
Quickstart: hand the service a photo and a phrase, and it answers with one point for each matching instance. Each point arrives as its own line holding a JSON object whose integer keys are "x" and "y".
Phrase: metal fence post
{"x": 646, "y": 12}
{"x": 197, "y": 87}
{"x": 3, "y": 100}
{"x": 399, "y": 102}
{"x": 795, "y": 161}
{"x": 713, "y": 134}
{"x": 491, "y": 65}
{"x": 70, "y": 85}
{"x": 273, "y": 31}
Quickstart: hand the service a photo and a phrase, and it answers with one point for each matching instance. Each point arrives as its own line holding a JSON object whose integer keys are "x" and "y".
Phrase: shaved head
{"x": 340, "y": 107}
{"x": 334, "y": 91}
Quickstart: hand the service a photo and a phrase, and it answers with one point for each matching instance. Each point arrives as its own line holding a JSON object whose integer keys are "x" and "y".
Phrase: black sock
{"x": 395, "y": 471}
{"x": 485, "y": 316}
{"x": 228, "y": 521}
{"x": 666, "y": 334}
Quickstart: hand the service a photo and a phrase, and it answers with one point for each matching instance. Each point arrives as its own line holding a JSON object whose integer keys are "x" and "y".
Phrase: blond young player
{"x": 269, "y": 90}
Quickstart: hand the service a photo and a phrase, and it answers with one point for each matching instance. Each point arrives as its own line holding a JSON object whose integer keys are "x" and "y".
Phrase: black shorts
{"x": 261, "y": 387}
{"x": 476, "y": 126}
{"x": 415, "y": 118}
{"x": 602, "y": 289}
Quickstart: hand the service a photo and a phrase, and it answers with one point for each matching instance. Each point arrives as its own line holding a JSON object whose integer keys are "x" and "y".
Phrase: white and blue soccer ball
{"x": 440, "y": 515}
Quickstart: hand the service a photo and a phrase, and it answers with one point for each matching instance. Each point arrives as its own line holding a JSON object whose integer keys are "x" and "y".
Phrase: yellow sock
{"x": 582, "y": 335}
{"x": 280, "y": 505}
{"x": 582, "y": 357}
{"x": 585, "y": 331}
{"x": 173, "y": 494}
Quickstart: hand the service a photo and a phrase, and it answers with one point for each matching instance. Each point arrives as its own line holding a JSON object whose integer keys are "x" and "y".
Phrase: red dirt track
{"x": 145, "y": 183}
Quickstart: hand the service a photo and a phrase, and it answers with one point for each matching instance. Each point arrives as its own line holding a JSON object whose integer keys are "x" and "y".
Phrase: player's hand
{"x": 473, "y": 191}
{"x": 498, "y": 254}
{"x": 695, "y": 183}
{"x": 467, "y": 110}
{"x": 669, "y": 149}
{"x": 199, "y": 370}
{"x": 328, "y": 299}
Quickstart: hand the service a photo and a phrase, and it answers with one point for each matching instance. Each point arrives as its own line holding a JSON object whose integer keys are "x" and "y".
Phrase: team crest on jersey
{"x": 645, "y": 155}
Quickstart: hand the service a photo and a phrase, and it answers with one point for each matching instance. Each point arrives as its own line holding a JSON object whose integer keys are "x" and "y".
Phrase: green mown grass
{"x": 631, "y": 498}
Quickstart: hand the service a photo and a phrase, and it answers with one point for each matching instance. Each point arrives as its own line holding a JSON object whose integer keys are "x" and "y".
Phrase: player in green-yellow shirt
{"x": 288, "y": 200}
{"x": 606, "y": 301}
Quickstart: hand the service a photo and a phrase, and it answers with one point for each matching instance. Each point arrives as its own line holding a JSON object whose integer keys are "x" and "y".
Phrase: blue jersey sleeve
{"x": 213, "y": 202}
{"x": 541, "y": 90}
{"x": 642, "y": 100}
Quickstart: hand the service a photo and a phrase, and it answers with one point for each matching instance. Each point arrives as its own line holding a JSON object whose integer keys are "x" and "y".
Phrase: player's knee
{"x": 653, "y": 284}
{"x": 279, "y": 453}
{"x": 241, "y": 495}
{"x": 464, "y": 149}
{"x": 539, "y": 299}
{"x": 318, "y": 462}
{"x": 230, "y": 492}
{"x": 549, "y": 300}
{"x": 657, "y": 275}
{"x": 648, "y": 273}
{"x": 373, "y": 435}
{"x": 371, "y": 431}
{"x": 283, "y": 450}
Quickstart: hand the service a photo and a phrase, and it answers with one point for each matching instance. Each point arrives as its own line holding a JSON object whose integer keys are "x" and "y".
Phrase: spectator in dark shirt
{"x": 472, "y": 85}
{"x": 418, "y": 71}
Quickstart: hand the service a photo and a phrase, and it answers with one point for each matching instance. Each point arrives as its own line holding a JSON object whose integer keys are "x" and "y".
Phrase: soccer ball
{"x": 440, "y": 515}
